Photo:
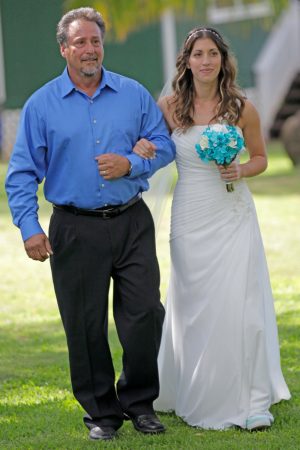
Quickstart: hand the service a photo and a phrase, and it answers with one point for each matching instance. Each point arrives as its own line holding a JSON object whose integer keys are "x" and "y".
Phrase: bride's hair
{"x": 232, "y": 101}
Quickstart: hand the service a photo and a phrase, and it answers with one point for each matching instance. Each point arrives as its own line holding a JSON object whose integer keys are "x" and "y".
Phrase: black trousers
{"x": 88, "y": 253}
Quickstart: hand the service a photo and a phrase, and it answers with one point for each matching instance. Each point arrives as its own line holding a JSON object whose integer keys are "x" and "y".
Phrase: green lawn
{"x": 37, "y": 409}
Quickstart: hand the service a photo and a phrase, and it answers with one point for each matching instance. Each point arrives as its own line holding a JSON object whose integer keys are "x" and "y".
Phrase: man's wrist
{"x": 30, "y": 227}
{"x": 129, "y": 170}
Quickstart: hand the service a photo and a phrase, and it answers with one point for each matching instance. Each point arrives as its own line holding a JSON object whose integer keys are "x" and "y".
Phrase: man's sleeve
{"x": 26, "y": 170}
{"x": 154, "y": 129}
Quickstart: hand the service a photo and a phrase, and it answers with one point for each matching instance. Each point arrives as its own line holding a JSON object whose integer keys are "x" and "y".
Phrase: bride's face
{"x": 205, "y": 60}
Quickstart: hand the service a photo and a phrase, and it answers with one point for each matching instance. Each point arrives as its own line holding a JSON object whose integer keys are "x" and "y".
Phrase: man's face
{"x": 84, "y": 49}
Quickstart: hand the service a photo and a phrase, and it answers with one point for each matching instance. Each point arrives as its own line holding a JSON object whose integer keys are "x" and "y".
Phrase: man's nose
{"x": 89, "y": 47}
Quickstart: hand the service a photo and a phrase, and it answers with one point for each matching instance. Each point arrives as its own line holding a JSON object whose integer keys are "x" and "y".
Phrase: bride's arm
{"x": 254, "y": 141}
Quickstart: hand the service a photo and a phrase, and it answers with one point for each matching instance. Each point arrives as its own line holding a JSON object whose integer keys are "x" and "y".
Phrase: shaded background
{"x": 142, "y": 41}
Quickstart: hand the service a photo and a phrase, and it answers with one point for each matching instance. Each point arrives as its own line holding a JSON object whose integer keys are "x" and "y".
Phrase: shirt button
{"x": 98, "y": 141}
{"x": 91, "y": 101}
{"x": 102, "y": 185}
{"x": 94, "y": 121}
{"x": 105, "y": 204}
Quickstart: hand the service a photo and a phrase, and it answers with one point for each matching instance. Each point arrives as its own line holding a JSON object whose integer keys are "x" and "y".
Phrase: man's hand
{"x": 38, "y": 247}
{"x": 145, "y": 149}
{"x": 112, "y": 166}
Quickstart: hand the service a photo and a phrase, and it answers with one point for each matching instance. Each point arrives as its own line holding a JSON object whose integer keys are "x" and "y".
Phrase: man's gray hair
{"x": 85, "y": 13}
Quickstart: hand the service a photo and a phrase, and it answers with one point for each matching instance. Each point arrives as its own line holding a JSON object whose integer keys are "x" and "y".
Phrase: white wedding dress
{"x": 219, "y": 359}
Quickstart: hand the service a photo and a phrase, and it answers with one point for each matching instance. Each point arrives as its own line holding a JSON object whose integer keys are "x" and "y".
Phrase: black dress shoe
{"x": 147, "y": 423}
{"x": 104, "y": 433}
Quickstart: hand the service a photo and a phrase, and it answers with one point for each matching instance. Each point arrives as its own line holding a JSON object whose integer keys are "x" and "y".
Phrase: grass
{"x": 37, "y": 409}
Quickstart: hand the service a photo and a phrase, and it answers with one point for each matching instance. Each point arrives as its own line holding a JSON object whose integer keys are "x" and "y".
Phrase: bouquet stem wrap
{"x": 229, "y": 186}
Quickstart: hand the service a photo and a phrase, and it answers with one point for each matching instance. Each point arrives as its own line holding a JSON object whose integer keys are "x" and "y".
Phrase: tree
{"x": 125, "y": 16}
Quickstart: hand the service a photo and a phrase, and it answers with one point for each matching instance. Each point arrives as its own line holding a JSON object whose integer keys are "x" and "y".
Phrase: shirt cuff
{"x": 137, "y": 165}
{"x": 29, "y": 228}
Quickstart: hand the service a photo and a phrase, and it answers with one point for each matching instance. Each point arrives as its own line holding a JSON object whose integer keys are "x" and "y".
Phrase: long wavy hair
{"x": 231, "y": 102}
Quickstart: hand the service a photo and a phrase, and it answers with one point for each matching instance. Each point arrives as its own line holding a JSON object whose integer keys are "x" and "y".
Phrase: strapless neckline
{"x": 204, "y": 126}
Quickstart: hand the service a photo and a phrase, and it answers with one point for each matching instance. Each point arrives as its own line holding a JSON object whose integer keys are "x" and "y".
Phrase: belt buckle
{"x": 109, "y": 213}
{"x": 106, "y": 214}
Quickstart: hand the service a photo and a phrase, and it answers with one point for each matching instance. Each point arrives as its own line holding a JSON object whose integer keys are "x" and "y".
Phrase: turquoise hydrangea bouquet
{"x": 220, "y": 143}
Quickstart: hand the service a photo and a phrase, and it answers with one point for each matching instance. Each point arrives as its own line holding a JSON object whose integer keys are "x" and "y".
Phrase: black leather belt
{"x": 107, "y": 212}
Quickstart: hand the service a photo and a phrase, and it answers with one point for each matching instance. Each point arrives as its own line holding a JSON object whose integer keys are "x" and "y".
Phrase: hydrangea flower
{"x": 220, "y": 143}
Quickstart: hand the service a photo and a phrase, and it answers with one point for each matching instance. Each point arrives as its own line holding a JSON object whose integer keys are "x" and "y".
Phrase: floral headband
{"x": 199, "y": 31}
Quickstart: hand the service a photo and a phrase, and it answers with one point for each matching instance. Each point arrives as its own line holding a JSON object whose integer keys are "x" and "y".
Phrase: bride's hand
{"x": 145, "y": 149}
{"x": 232, "y": 172}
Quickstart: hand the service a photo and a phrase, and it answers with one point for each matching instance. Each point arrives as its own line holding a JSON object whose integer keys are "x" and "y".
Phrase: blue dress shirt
{"x": 62, "y": 130}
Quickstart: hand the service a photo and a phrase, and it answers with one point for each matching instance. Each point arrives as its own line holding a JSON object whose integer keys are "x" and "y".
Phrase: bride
{"x": 219, "y": 359}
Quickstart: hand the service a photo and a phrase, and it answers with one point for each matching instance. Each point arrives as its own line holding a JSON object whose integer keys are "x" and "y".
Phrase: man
{"x": 78, "y": 132}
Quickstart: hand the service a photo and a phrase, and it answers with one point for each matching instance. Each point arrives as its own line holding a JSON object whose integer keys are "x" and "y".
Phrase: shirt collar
{"x": 68, "y": 86}
{"x": 108, "y": 80}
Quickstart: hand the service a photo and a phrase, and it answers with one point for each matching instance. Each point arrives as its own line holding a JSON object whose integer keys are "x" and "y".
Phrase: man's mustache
{"x": 89, "y": 58}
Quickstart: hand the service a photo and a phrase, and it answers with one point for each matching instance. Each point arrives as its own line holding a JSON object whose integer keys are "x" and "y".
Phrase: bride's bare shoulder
{"x": 167, "y": 102}
{"x": 167, "y": 106}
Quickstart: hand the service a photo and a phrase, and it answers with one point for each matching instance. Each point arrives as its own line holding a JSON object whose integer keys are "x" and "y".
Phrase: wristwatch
{"x": 129, "y": 170}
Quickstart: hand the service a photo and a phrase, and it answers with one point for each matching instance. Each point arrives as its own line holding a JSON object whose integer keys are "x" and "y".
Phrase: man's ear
{"x": 63, "y": 48}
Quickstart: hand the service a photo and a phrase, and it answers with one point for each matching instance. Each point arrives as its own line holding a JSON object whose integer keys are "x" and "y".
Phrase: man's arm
{"x": 26, "y": 170}
{"x": 154, "y": 130}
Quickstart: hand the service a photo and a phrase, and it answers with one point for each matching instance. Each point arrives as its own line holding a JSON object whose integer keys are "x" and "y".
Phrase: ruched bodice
{"x": 200, "y": 193}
